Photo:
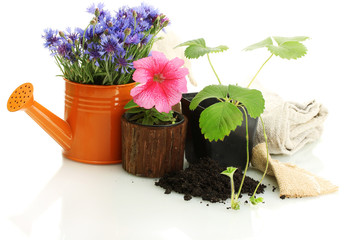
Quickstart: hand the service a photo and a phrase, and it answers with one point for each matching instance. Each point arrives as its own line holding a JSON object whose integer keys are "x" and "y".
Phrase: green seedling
{"x": 218, "y": 120}
{"x": 234, "y": 197}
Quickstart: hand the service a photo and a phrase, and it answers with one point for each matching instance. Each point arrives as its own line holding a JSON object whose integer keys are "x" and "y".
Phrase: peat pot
{"x": 152, "y": 151}
{"x": 229, "y": 152}
{"x": 91, "y": 131}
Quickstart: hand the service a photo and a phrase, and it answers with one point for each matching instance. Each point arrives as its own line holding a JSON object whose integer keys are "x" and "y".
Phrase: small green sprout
{"x": 234, "y": 198}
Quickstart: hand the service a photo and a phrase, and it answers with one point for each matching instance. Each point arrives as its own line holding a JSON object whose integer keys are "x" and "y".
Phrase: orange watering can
{"x": 91, "y": 131}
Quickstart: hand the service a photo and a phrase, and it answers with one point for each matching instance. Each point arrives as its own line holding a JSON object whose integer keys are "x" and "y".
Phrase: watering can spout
{"x": 22, "y": 99}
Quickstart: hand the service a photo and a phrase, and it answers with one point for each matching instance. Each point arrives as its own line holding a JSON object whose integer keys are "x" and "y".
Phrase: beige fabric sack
{"x": 293, "y": 181}
{"x": 289, "y": 126}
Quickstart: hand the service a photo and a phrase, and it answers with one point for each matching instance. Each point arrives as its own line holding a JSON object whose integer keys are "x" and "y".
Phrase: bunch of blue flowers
{"x": 103, "y": 52}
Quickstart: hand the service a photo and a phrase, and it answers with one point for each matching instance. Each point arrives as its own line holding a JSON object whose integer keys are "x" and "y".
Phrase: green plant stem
{"x": 265, "y": 171}
{"x": 247, "y": 139}
{"x": 232, "y": 194}
{"x": 210, "y": 63}
{"x": 83, "y": 36}
{"x": 259, "y": 70}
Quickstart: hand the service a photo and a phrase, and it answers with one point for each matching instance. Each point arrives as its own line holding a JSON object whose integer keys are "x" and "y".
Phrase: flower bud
{"x": 70, "y": 41}
{"x": 134, "y": 14}
{"x": 110, "y": 24}
{"x": 62, "y": 34}
{"x": 106, "y": 31}
{"x": 97, "y": 12}
{"x": 165, "y": 23}
{"x": 127, "y": 31}
{"x": 94, "y": 21}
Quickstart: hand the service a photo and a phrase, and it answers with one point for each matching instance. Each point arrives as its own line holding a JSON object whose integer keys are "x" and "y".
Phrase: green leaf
{"x": 286, "y": 47}
{"x": 281, "y": 40}
{"x": 252, "y": 99}
{"x": 164, "y": 117}
{"x": 255, "y": 201}
{"x": 236, "y": 206}
{"x": 130, "y": 104}
{"x": 266, "y": 42}
{"x": 197, "y": 48}
{"x": 289, "y": 50}
{"x": 218, "y": 120}
{"x": 211, "y": 91}
{"x": 148, "y": 120}
{"x": 199, "y": 41}
{"x": 135, "y": 110}
{"x": 229, "y": 171}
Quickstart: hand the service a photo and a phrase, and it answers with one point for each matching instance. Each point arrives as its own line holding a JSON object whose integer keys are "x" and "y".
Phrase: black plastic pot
{"x": 229, "y": 152}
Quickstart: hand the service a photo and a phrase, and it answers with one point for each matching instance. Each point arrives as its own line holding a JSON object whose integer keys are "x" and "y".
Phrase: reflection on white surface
{"x": 174, "y": 234}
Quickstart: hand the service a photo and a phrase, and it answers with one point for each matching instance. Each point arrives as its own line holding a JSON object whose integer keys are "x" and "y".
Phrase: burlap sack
{"x": 293, "y": 181}
{"x": 289, "y": 125}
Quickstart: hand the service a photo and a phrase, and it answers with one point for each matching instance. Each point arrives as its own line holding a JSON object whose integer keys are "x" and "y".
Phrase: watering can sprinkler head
{"x": 22, "y": 99}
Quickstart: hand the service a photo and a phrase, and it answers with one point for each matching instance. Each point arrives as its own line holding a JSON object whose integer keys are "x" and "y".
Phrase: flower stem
{"x": 259, "y": 70}
{"x": 83, "y": 37}
{"x": 247, "y": 139}
{"x": 265, "y": 171}
{"x": 213, "y": 69}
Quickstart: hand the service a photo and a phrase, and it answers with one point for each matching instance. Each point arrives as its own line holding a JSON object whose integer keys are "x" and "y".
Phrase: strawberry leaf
{"x": 266, "y": 42}
{"x": 211, "y": 91}
{"x": 252, "y": 99}
{"x": 197, "y": 48}
{"x": 285, "y": 47}
{"x": 281, "y": 40}
{"x": 219, "y": 119}
{"x": 289, "y": 50}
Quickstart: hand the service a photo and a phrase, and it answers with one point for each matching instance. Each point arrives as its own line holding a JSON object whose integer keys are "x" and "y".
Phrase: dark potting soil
{"x": 204, "y": 179}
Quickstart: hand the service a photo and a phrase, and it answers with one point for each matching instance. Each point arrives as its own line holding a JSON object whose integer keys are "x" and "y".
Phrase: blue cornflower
{"x": 71, "y": 35}
{"x": 64, "y": 49}
{"x": 134, "y": 39}
{"x": 124, "y": 64}
{"x": 91, "y": 9}
{"x": 147, "y": 12}
{"x": 93, "y": 51}
{"x": 51, "y": 38}
{"x": 142, "y": 25}
{"x": 110, "y": 46}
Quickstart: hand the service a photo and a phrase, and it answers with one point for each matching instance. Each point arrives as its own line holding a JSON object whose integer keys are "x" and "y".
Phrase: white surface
{"x": 44, "y": 196}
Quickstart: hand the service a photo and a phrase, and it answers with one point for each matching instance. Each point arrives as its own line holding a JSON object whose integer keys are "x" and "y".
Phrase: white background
{"x": 44, "y": 196}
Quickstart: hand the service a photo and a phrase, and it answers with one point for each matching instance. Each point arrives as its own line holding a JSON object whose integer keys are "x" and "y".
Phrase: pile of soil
{"x": 204, "y": 179}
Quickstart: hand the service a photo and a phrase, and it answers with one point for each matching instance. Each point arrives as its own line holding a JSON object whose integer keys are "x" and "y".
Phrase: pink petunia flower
{"x": 162, "y": 82}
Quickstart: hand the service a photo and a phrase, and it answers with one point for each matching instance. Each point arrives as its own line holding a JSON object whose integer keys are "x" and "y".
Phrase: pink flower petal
{"x": 159, "y": 62}
{"x": 173, "y": 65}
{"x": 146, "y": 63}
{"x": 142, "y": 97}
{"x": 142, "y": 75}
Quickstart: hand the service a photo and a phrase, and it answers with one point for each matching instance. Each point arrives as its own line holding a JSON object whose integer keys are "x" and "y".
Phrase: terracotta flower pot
{"x": 91, "y": 131}
{"x": 152, "y": 151}
{"x": 232, "y": 151}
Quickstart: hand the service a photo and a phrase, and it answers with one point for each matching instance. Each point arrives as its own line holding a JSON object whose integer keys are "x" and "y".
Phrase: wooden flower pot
{"x": 152, "y": 151}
